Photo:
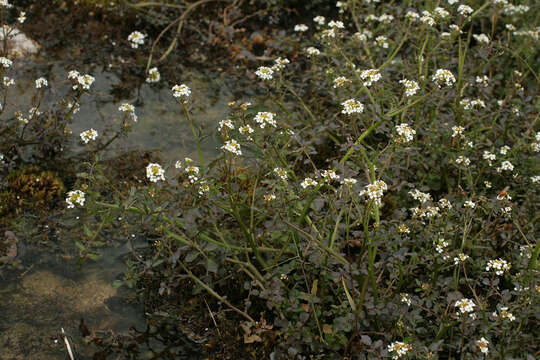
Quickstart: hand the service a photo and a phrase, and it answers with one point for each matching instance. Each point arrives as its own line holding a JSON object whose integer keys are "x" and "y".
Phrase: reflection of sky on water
{"x": 161, "y": 123}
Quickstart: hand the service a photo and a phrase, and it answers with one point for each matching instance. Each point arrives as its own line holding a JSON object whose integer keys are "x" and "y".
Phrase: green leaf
{"x": 211, "y": 266}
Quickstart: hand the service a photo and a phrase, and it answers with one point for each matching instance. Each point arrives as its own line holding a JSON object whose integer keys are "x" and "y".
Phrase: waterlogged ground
{"x": 161, "y": 125}
{"x": 53, "y": 294}
{"x": 50, "y": 291}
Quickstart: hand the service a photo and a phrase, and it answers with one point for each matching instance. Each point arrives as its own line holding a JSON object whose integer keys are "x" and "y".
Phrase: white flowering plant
{"x": 386, "y": 178}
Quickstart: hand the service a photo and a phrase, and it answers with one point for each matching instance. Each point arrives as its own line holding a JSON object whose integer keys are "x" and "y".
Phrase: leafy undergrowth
{"x": 380, "y": 200}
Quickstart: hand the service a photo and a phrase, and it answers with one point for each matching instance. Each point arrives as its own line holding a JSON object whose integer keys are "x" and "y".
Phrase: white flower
{"x": 311, "y": 51}
{"x": 246, "y": 130}
{"x": 469, "y": 104}
{"x": 155, "y": 172}
{"x": 427, "y": 19}
{"x": 204, "y": 188}
{"x": 89, "y": 135}
{"x": 411, "y": 87}
{"x": 504, "y": 149}
{"x": 375, "y": 191}
{"x": 464, "y": 10}
{"x": 405, "y": 298}
{"x": 382, "y": 41}
{"x": 443, "y": 76}
{"x": 73, "y": 107}
{"x": 461, "y": 257}
{"x": 136, "y": 38}
{"x": 506, "y": 165}
{"x": 86, "y": 81}
{"x": 153, "y": 75}
{"x": 441, "y": 12}
{"x": 263, "y": 118}
{"x": 280, "y": 63}
{"x": 463, "y": 160}
{"x": 308, "y": 182}
{"x": 445, "y": 204}
{"x": 232, "y": 146}
{"x": 412, "y": 15}
{"x": 5, "y": 62}
{"x": 457, "y": 131}
{"x": 329, "y": 175}
{"x": 75, "y": 197}
{"x": 352, "y": 106}
{"x": 5, "y": 3}
{"x": 405, "y": 132}
{"x": 370, "y": 76}
{"x": 340, "y": 81}
{"x": 282, "y": 173}
{"x": 225, "y": 123}
{"x": 469, "y": 204}
{"x": 41, "y": 82}
{"x": 349, "y": 181}
{"x": 22, "y": 17}
{"x": 319, "y": 20}
{"x": 399, "y": 349}
{"x": 481, "y": 38}
{"x": 489, "y": 156}
{"x": 130, "y": 110}
{"x": 73, "y": 74}
{"x": 440, "y": 245}
{"x": 300, "y": 28}
{"x": 499, "y": 266}
{"x": 465, "y": 306}
{"x": 482, "y": 80}
{"x": 483, "y": 345}
{"x": 8, "y": 81}
{"x": 181, "y": 91}
{"x": 452, "y": 2}
{"x": 264, "y": 73}
{"x": 336, "y": 24}
{"x": 420, "y": 196}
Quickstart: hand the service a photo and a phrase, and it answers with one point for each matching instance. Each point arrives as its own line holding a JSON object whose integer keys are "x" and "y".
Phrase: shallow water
{"x": 52, "y": 292}
{"x": 161, "y": 124}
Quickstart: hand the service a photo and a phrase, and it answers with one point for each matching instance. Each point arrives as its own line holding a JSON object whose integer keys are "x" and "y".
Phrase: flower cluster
{"x": 375, "y": 191}
{"x": 75, "y": 197}
{"x": 129, "y": 110}
{"x": 265, "y": 118}
{"x": 265, "y": 73}
{"x": 443, "y": 76}
{"x": 307, "y": 182}
{"x": 85, "y": 81}
{"x": 89, "y": 135}
{"x": 465, "y": 306}
{"x": 136, "y": 38}
{"x": 405, "y": 132}
{"x": 482, "y": 345}
{"x": 153, "y": 75}
{"x": 499, "y": 266}
{"x": 411, "y": 87}
{"x": 352, "y": 106}
{"x": 41, "y": 82}
{"x": 181, "y": 91}
{"x": 370, "y": 76}
{"x": 232, "y": 146}
{"x": 154, "y": 172}
{"x": 399, "y": 349}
